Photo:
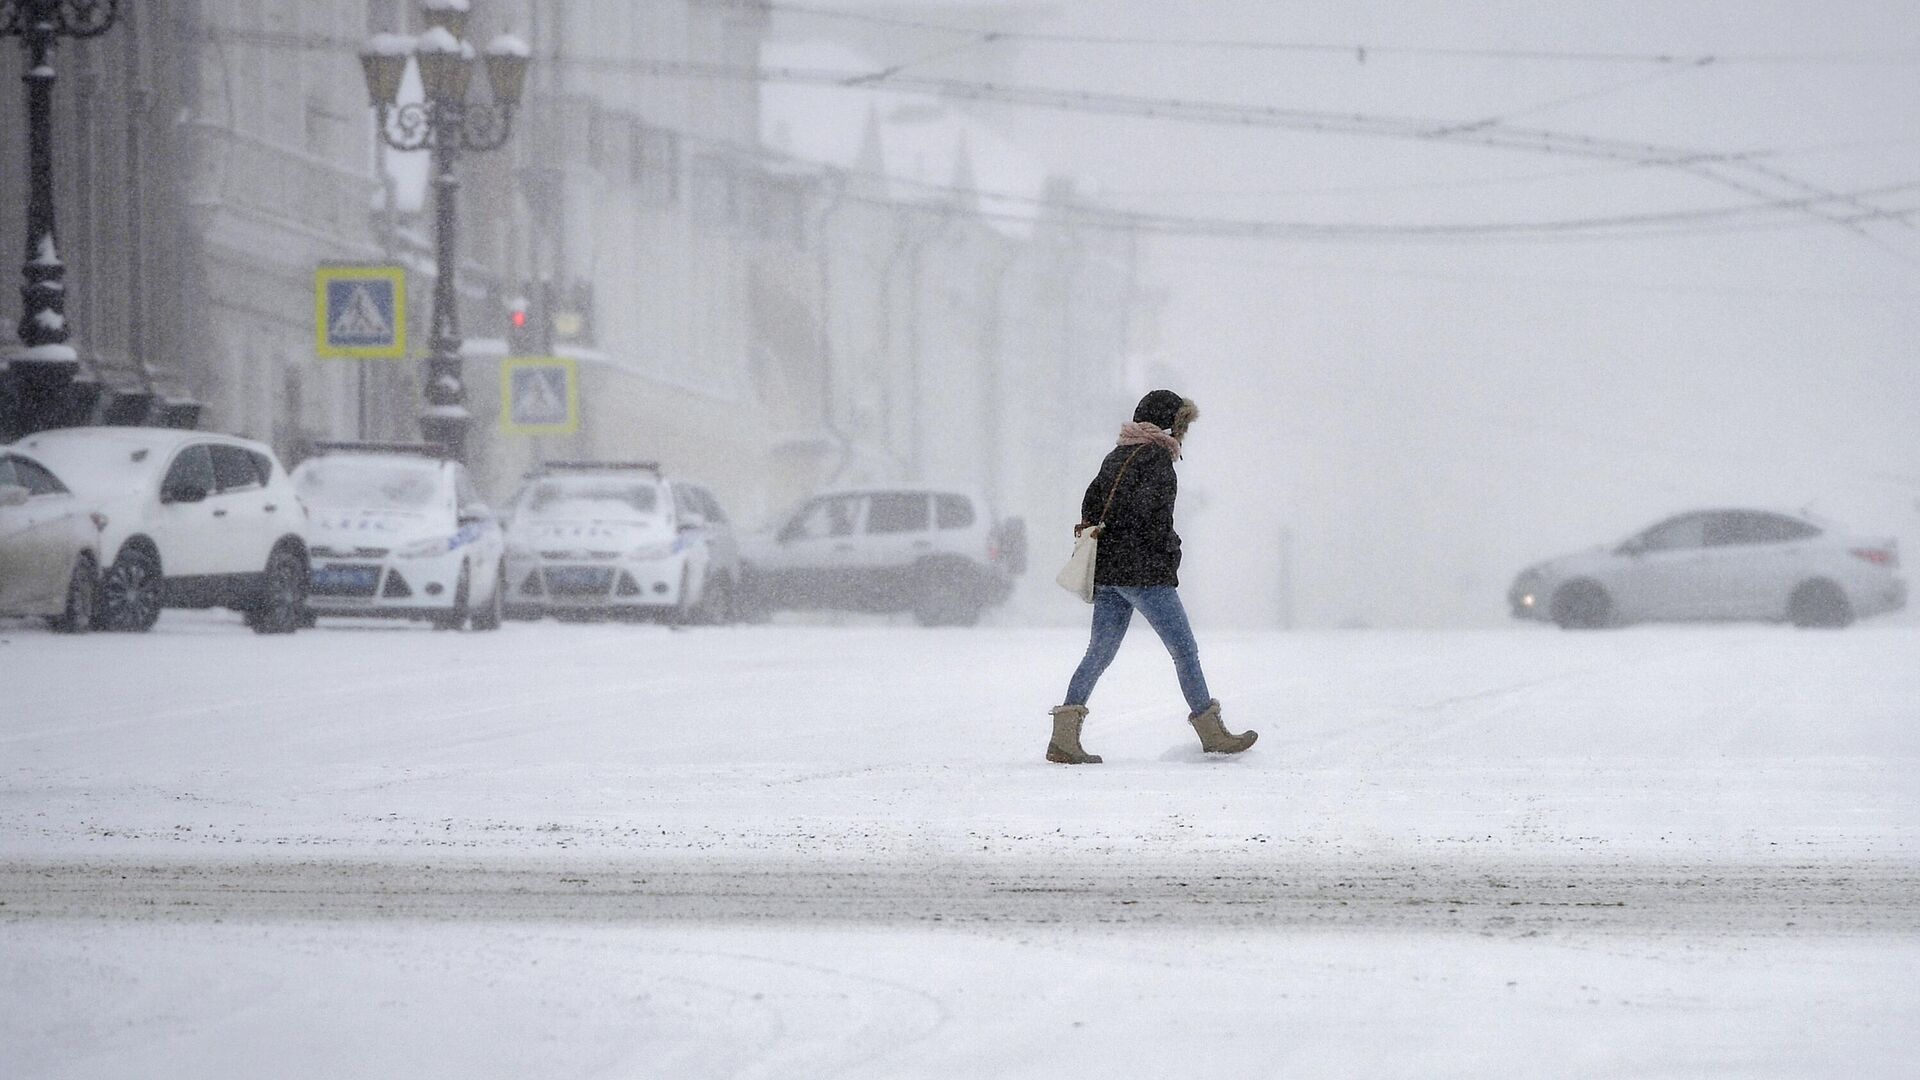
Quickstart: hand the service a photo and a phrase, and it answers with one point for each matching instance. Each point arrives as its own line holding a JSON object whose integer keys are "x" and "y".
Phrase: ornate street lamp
{"x": 45, "y": 364}
{"x": 447, "y": 123}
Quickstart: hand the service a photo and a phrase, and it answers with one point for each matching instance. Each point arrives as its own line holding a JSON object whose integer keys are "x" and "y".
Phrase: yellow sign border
{"x": 514, "y": 363}
{"x": 325, "y": 275}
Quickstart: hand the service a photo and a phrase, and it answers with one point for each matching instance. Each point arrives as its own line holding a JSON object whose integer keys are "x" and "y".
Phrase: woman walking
{"x": 1137, "y": 569}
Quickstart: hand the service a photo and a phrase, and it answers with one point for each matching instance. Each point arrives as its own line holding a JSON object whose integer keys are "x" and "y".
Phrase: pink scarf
{"x": 1138, "y": 433}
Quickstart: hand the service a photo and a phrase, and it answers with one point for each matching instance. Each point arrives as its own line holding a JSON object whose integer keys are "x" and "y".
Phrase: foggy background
{"x": 1427, "y": 414}
{"x": 1456, "y": 288}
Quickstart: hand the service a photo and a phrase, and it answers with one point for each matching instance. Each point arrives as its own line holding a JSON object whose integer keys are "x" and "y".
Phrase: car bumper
{"x": 1887, "y": 596}
{"x": 592, "y": 584}
{"x": 388, "y": 586}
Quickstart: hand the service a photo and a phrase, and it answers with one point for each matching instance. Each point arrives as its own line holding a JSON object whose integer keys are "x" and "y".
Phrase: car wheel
{"x": 455, "y": 617}
{"x": 1819, "y": 604}
{"x": 682, "y": 613}
{"x": 490, "y": 617}
{"x": 130, "y": 593}
{"x": 716, "y": 602}
{"x": 282, "y": 606}
{"x": 1582, "y": 605}
{"x": 751, "y": 604}
{"x": 82, "y": 589}
{"x": 946, "y": 599}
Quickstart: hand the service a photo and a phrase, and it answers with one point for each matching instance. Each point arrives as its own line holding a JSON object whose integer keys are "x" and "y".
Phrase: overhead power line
{"x": 1358, "y": 51}
{"x": 1733, "y": 170}
{"x": 1712, "y": 167}
{"x": 1034, "y": 210}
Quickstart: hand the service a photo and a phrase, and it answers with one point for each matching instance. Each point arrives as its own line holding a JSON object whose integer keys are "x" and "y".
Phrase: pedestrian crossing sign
{"x": 539, "y": 395}
{"x": 360, "y": 312}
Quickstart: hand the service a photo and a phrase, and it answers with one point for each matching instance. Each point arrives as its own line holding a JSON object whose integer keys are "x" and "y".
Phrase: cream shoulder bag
{"x": 1077, "y": 576}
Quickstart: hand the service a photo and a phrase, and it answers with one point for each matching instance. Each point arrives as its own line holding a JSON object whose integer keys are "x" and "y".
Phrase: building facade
{"x": 767, "y": 320}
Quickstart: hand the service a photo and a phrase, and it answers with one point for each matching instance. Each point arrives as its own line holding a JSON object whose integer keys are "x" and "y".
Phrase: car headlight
{"x": 657, "y": 550}
{"x": 519, "y": 551}
{"x": 421, "y": 549}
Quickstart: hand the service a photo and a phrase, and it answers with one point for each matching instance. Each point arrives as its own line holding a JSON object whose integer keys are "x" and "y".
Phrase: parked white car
{"x": 937, "y": 552}
{"x": 596, "y": 539}
{"x": 192, "y": 519}
{"x": 49, "y": 546}
{"x": 1718, "y": 565}
{"x": 399, "y": 531}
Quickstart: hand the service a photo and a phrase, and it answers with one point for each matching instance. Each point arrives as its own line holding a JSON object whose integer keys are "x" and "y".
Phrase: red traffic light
{"x": 519, "y": 318}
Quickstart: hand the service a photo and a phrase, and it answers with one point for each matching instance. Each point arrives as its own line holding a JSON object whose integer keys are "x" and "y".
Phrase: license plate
{"x": 579, "y": 579}
{"x": 345, "y": 577}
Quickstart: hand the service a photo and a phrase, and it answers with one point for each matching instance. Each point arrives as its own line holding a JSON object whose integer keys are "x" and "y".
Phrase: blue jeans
{"x": 1113, "y": 607}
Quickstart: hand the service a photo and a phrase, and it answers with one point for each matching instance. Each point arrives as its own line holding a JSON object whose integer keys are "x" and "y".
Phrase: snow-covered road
{"x": 1506, "y": 897}
{"x": 825, "y": 851}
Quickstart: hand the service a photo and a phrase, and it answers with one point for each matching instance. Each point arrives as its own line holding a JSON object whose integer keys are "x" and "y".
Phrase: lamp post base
{"x": 447, "y": 425}
{"x": 43, "y": 392}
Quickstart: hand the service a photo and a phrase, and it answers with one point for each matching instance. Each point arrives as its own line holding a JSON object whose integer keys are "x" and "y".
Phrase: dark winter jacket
{"x": 1138, "y": 545}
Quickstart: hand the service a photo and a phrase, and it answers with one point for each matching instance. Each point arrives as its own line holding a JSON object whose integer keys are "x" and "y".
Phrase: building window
{"x": 596, "y": 148}
{"x": 714, "y": 197}
{"x": 656, "y": 165}
{"x": 614, "y": 146}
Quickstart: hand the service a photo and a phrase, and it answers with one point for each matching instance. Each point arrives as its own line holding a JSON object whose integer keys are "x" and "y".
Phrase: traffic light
{"x": 546, "y": 314}
{"x": 523, "y": 330}
{"x": 571, "y": 308}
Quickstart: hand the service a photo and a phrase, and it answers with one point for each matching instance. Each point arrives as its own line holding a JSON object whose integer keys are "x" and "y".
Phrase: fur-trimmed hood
{"x": 1167, "y": 411}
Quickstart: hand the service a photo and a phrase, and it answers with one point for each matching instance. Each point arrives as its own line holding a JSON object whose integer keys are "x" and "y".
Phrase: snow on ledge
{"x": 510, "y": 45}
{"x": 440, "y": 40}
{"x": 483, "y": 348}
{"x": 47, "y": 354}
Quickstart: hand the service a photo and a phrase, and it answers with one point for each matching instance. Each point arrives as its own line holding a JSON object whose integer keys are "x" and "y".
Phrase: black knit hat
{"x": 1158, "y": 408}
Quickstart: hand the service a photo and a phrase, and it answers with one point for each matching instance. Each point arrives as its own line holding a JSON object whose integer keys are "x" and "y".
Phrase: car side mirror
{"x": 14, "y": 495}
{"x": 690, "y": 522}
{"x": 185, "y": 493}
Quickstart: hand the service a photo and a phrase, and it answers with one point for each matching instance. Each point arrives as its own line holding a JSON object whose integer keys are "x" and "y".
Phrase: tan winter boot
{"x": 1214, "y": 736}
{"x": 1064, "y": 748}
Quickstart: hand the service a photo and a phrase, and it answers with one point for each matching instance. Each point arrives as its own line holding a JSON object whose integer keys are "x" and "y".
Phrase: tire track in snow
{"x": 1500, "y": 897}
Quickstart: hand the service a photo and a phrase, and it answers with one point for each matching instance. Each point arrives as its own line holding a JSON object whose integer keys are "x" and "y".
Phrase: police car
{"x": 597, "y": 539}
{"x": 398, "y": 530}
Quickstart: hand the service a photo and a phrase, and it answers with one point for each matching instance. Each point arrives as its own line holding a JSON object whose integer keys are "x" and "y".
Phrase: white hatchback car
{"x": 399, "y": 531}
{"x": 594, "y": 539}
{"x": 1718, "y": 565}
{"x": 192, "y": 519}
{"x": 49, "y": 546}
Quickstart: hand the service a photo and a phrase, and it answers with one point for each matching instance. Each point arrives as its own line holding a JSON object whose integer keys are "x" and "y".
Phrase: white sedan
{"x": 398, "y": 531}
{"x": 1718, "y": 565}
{"x": 49, "y": 546}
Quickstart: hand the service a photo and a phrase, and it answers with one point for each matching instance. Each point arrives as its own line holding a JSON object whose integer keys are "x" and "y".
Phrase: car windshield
{"x": 592, "y": 498}
{"x": 345, "y": 483}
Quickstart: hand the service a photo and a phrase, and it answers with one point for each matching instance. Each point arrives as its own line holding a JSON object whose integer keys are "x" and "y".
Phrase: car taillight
{"x": 1877, "y": 556}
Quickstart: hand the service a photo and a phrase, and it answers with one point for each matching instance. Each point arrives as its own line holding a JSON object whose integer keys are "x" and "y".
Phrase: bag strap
{"x": 1114, "y": 489}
